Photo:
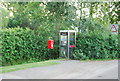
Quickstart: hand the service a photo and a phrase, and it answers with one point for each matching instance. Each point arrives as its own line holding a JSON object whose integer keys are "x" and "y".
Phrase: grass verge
{"x": 26, "y": 66}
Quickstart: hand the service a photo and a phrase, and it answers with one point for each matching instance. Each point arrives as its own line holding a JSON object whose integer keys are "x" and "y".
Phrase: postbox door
{"x": 50, "y": 44}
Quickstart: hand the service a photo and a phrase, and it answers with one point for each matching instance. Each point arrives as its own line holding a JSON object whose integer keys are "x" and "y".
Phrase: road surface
{"x": 69, "y": 69}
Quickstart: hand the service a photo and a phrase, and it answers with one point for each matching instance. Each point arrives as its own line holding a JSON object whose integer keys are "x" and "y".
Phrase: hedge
{"x": 96, "y": 47}
{"x": 24, "y": 45}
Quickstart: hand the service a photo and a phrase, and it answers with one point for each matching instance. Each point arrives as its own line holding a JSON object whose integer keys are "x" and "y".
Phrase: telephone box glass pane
{"x": 72, "y": 38}
{"x": 63, "y": 52}
{"x": 63, "y": 39}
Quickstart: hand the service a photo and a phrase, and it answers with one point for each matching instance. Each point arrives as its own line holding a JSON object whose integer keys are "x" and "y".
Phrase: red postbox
{"x": 50, "y": 44}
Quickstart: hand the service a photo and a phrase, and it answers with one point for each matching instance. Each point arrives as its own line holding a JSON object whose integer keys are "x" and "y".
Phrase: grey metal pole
{"x": 59, "y": 44}
{"x": 68, "y": 44}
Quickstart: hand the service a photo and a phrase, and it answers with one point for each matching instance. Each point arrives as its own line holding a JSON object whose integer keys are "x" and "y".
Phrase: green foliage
{"x": 24, "y": 45}
{"x": 26, "y": 14}
{"x": 58, "y": 8}
{"x": 35, "y": 14}
{"x": 114, "y": 14}
{"x": 92, "y": 25}
{"x": 46, "y": 19}
{"x": 4, "y": 14}
{"x": 96, "y": 47}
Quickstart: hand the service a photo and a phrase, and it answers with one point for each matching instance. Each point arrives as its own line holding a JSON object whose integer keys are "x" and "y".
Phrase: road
{"x": 69, "y": 69}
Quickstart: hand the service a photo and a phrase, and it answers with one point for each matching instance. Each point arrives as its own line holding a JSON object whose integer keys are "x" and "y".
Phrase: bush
{"x": 96, "y": 47}
{"x": 24, "y": 45}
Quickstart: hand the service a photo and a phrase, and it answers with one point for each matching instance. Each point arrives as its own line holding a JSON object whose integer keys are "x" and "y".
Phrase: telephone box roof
{"x": 67, "y": 31}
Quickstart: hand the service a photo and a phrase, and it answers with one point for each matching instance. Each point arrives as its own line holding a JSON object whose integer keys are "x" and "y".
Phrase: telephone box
{"x": 67, "y": 43}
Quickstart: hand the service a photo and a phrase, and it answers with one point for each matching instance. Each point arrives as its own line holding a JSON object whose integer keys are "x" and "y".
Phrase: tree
{"x": 4, "y": 15}
{"x": 62, "y": 15}
{"x": 27, "y": 14}
{"x": 114, "y": 13}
